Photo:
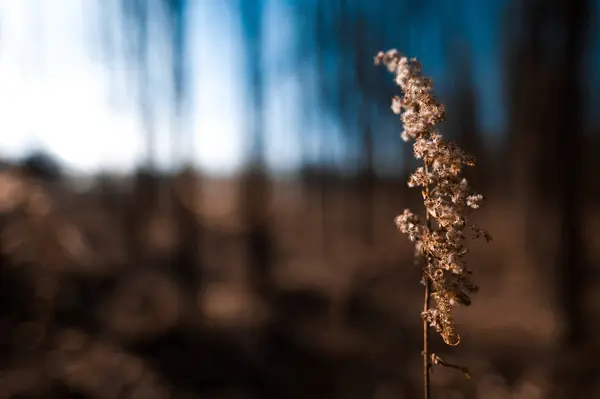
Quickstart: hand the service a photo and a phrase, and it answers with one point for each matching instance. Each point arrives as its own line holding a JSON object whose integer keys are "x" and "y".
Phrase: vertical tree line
{"x": 546, "y": 49}
{"x": 546, "y": 133}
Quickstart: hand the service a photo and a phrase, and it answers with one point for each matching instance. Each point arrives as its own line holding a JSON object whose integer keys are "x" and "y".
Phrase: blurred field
{"x": 146, "y": 289}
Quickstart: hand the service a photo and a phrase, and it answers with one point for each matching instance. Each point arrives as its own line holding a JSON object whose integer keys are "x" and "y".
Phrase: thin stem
{"x": 426, "y": 305}
{"x": 426, "y": 357}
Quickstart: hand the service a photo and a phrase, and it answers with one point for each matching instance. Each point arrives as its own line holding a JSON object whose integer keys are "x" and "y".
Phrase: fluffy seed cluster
{"x": 440, "y": 238}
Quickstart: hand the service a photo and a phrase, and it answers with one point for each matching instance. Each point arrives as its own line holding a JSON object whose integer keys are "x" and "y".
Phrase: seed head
{"x": 446, "y": 194}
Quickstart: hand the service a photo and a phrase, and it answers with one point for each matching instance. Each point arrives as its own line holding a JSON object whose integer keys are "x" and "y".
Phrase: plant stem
{"x": 426, "y": 357}
{"x": 426, "y": 304}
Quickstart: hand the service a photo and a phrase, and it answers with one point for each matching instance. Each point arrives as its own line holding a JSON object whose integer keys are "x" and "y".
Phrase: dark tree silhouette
{"x": 545, "y": 140}
{"x": 255, "y": 190}
{"x": 572, "y": 269}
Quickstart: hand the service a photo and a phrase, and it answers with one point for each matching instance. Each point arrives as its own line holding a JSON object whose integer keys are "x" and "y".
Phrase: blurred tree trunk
{"x": 462, "y": 119}
{"x": 527, "y": 101}
{"x": 575, "y": 370}
{"x": 136, "y": 20}
{"x": 545, "y": 141}
{"x": 365, "y": 115}
{"x": 255, "y": 197}
{"x": 255, "y": 192}
{"x": 143, "y": 209}
{"x": 323, "y": 150}
{"x": 187, "y": 259}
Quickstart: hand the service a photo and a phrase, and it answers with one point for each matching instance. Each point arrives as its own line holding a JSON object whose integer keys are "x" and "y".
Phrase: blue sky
{"x": 54, "y": 97}
{"x": 59, "y": 95}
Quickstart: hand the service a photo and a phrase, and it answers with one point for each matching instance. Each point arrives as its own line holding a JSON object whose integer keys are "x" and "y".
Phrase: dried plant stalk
{"x": 440, "y": 239}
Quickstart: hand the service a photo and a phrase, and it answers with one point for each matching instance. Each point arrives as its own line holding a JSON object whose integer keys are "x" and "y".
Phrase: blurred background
{"x": 197, "y": 198}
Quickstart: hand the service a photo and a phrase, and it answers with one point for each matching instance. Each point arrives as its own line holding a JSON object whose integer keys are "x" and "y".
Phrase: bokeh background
{"x": 197, "y": 198}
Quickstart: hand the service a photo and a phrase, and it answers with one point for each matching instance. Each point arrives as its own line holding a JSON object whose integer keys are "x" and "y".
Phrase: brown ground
{"x": 97, "y": 301}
